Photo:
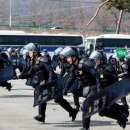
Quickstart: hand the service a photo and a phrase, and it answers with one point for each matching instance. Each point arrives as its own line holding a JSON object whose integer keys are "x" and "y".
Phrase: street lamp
{"x": 10, "y": 13}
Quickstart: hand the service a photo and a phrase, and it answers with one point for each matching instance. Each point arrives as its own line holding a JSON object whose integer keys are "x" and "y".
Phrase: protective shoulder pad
{"x": 85, "y": 62}
{"x": 43, "y": 59}
{"x": 89, "y": 63}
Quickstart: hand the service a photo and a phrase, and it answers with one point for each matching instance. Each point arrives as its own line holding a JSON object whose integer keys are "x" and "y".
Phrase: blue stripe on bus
{"x": 49, "y": 48}
{"x": 108, "y": 50}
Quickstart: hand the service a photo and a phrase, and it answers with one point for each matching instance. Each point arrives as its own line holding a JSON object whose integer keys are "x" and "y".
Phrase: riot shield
{"x": 106, "y": 97}
{"x": 52, "y": 90}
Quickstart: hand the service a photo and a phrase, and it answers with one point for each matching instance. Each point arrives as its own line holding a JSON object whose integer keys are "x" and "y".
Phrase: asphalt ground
{"x": 17, "y": 112}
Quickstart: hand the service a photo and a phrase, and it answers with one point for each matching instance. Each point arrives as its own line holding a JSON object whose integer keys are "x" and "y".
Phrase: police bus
{"x": 17, "y": 39}
{"x": 107, "y": 42}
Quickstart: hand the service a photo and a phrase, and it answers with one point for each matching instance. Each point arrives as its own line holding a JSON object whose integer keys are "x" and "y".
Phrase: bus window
{"x": 20, "y": 40}
{"x": 4, "y": 40}
{"x": 69, "y": 41}
{"x": 78, "y": 40}
{"x": 107, "y": 42}
{"x": 99, "y": 44}
{"x": 49, "y": 40}
{"x": 124, "y": 42}
{"x": 36, "y": 39}
{"x": 54, "y": 40}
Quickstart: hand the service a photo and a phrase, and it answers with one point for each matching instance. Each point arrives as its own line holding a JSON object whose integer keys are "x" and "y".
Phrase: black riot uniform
{"x": 40, "y": 71}
{"x": 88, "y": 79}
{"x": 64, "y": 66}
{"x": 61, "y": 101}
{"x": 47, "y": 55}
{"x": 123, "y": 72}
{"x": 56, "y": 58}
{"x": 72, "y": 70}
{"x": 15, "y": 61}
{"x": 43, "y": 73}
{"x": 4, "y": 62}
{"x": 107, "y": 76}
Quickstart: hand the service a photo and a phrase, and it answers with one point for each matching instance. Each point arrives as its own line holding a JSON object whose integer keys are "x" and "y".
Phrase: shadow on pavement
{"x": 16, "y": 96}
{"x": 78, "y": 123}
{"x": 21, "y": 89}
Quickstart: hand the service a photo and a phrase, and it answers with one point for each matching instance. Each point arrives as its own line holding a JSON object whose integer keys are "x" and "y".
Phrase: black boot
{"x": 73, "y": 114}
{"x": 40, "y": 118}
{"x": 8, "y": 86}
{"x": 62, "y": 102}
{"x": 125, "y": 109}
{"x": 122, "y": 121}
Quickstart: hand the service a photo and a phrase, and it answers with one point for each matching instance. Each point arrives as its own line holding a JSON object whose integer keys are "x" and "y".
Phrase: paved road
{"x": 16, "y": 113}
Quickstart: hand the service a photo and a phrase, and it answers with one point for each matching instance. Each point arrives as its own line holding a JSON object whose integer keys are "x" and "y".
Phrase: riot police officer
{"x": 69, "y": 64}
{"x": 123, "y": 72}
{"x": 4, "y": 62}
{"x": 106, "y": 72}
{"x": 63, "y": 66}
{"x": 56, "y": 57}
{"x": 107, "y": 76}
{"x": 27, "y": 63}
{"x": 84, "y": 69}
{"x": 42, "y": 73}
{"x": 88, "y": 79}
{"x": 47, "y": 55}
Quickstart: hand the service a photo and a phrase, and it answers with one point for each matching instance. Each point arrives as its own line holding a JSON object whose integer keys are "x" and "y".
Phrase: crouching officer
{"x": 4, "y": 63}
{"x": 107, "y": 76}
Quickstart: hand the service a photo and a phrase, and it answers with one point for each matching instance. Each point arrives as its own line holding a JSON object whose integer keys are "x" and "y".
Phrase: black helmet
{"x": 96, "y": 55}
{"x": 69, "y": 51}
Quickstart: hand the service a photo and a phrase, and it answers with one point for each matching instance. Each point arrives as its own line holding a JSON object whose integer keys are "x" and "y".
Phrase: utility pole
{"x": 10, "y": 13}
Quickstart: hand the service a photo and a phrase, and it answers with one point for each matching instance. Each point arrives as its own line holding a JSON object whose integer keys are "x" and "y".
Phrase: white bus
{"x": 17, "y": 39}
{"x": 107, "y": 42}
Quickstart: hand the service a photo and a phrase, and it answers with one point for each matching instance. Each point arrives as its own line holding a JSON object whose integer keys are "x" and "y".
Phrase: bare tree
{"x": 96, "y": 13}
{"x": 115, "y": 15}
{"x": 103, "y": 20}
{"x": 119, "y": 22}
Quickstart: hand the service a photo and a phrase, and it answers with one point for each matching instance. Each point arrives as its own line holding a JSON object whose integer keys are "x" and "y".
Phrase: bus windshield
{"x": 107, "y": 42}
